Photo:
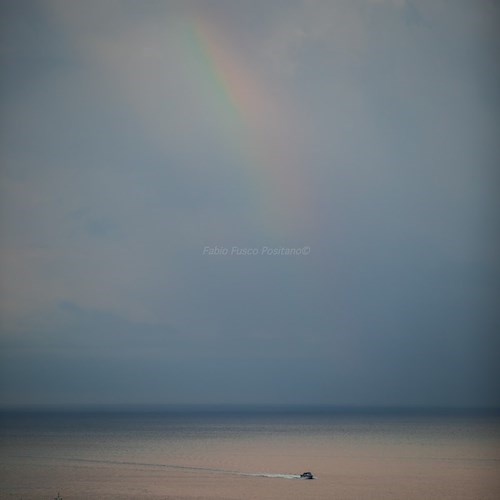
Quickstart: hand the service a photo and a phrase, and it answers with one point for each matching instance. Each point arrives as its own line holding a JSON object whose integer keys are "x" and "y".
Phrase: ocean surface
{"x": 249, "y": 454}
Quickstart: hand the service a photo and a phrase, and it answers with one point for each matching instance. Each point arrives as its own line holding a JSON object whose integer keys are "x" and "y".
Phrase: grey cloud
{"x": 118, "y": 169}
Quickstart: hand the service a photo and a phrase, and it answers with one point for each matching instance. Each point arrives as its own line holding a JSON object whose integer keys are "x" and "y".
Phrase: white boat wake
{"x": 173, "y": 466}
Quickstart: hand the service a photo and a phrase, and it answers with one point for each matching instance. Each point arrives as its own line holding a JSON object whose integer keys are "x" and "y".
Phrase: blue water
{"x": 361, "y": 454}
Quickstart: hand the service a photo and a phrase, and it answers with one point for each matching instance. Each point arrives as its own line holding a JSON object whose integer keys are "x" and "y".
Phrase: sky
{"x": 271, "y": 201}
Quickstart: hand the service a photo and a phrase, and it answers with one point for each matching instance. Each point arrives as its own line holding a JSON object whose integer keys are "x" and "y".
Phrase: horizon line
{"x": 243, "y": 408}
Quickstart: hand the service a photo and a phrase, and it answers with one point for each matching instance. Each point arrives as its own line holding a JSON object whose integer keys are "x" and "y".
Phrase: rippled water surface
{"x": 227, "y": 454}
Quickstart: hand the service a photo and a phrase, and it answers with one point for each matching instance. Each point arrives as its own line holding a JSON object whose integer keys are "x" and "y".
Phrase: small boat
{"x": 307, "y": 475}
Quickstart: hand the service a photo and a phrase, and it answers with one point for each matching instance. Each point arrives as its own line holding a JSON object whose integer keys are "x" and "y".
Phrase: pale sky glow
{"x": 135, "y": 134}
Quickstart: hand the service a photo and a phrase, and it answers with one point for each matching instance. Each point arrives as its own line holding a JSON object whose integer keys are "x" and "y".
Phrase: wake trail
{"x": 170, "y": 466}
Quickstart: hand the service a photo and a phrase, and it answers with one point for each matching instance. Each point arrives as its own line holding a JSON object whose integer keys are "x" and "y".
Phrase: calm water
{"x": 222, "y": 455}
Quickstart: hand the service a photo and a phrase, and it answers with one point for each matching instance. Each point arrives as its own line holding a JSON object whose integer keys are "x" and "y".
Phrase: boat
{"x": 307, "y": 475}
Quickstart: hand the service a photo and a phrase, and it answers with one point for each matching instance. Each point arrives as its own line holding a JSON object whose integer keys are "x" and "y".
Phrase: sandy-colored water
{"x": 162, "y": 457}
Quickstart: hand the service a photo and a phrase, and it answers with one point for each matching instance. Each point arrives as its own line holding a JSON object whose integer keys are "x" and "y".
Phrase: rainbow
{"x": 250, "y": 117}
{"x": 253, "y": 124}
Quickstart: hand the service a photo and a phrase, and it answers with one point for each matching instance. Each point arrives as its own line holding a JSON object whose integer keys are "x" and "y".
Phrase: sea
{"x": 249, "y": 453}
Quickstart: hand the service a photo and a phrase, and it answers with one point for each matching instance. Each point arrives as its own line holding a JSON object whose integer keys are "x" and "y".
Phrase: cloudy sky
{"x": 139, "y": 139}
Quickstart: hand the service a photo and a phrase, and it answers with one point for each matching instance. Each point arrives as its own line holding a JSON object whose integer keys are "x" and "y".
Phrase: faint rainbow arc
{"x": 267, "y": 161}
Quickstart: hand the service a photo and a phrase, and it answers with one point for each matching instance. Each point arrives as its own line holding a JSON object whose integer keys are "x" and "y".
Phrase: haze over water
{"x": 240, "y": 454}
